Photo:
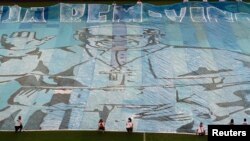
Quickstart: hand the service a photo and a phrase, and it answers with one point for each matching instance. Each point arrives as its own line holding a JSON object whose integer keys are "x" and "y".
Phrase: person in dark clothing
{"x": 101, "y": 125}
{"x": 129, "y": 125}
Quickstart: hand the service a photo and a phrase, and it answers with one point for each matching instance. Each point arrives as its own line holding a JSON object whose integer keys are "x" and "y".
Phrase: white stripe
{"x": 144, "y": 136}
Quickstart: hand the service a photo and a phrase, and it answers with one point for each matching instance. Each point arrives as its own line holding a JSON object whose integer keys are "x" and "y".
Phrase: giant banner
{"x": 167, "y": 67}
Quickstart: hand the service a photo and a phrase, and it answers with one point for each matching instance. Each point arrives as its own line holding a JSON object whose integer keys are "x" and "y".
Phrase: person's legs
{"x": 101, "y": 129}
{"x": 202, "y": 134}
{"x": 130, "y": 130}
{"x": 21, "y": 127}
{"x": 16, "y": 128}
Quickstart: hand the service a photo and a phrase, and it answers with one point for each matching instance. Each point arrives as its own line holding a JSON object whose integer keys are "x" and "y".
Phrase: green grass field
{"x": 95, "y": 136}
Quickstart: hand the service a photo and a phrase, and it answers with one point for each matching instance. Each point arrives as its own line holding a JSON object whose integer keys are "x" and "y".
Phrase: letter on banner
{"x": 97, "y": 12}
{"x": 171, "y": 14}
{"x": 214, "y": 14}
{"x": 197, "y": 14}
{"x": 34, "y": 14}
{"x": 71, "y": 12}
{"x": 154, "y": 14}
{"x": 242, "y": 17}
{"x": 132, "y": 14}
{"x": 14, "y": 14}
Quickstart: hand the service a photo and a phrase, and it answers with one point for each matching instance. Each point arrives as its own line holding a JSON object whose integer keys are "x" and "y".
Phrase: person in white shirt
{"x": 200, "y": 130}
{"x": 244, "y": 121}
{"x": 18, "y": 124}
{"x": 129, "y": 125}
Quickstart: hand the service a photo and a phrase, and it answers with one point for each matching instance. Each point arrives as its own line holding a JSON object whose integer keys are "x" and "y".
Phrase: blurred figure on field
{"x": 18, "y": 124}
{"x": 129, "y": 125}
{"x": 101, "y": 125}
{"x": 244, "y": 121}
{"x": 139, "y": 2}
{"x": 201, "y": 130}
{"x": 231, "y": 122}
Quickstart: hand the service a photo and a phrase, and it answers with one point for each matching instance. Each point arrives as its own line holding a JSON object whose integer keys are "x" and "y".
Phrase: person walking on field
{"x": 231, "y": 122}
{"x": 129, "y": 125}
{"x": 18, "y": 124}
{"x": 101, "y": 125}
{"x": 201, "y": 130}
{"x": 244, "y": 121}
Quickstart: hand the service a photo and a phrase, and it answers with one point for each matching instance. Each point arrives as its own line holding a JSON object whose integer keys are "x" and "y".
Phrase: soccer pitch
{"x": 96, "y": 136}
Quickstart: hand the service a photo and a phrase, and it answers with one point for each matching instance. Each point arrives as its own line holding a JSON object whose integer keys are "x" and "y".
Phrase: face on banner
{"x": 118, "y": 35}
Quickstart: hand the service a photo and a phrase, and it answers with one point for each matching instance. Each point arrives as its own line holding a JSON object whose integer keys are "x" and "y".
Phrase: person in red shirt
{"x": 101, "y": 125}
